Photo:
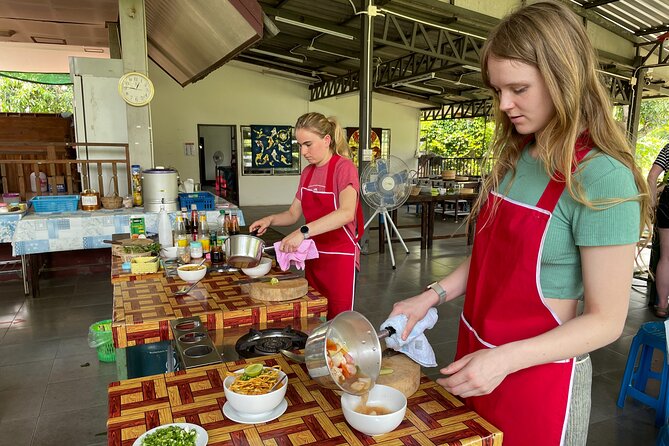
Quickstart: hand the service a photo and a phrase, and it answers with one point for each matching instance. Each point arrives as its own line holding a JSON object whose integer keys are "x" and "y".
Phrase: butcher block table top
{"x": 143, "y": 308}
{"x": 314, "y": 416}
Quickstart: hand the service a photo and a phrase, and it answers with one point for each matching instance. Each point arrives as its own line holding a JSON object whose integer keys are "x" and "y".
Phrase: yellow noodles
{"x": 259, "y": 385}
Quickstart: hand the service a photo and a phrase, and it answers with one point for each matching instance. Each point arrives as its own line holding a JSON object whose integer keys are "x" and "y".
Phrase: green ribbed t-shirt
{"x": 573, "y": 224}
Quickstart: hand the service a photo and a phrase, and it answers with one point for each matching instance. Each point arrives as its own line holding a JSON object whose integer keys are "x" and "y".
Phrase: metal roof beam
{"x": 595, "y": 3}
{"x": 457, "y": 110}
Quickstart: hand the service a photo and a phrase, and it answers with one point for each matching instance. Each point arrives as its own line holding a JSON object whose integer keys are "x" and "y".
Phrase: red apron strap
{"x": 331, "y": 168}
{"x": 555, "y": 187}
{"x": 310, "y": 173}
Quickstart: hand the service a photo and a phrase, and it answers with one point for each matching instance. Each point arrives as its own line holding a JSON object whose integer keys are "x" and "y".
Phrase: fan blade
{"x": 369, "y": 188}
{"x": 381, "y": 166}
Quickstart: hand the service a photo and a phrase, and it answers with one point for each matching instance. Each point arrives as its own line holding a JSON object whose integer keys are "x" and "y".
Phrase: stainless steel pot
{"x": 361, "y": 340}
{"x": 244, "y": 250}
{"x": 160, "y": 184}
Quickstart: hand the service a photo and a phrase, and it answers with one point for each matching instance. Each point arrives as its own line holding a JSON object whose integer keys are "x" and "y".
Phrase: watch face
{"x": 136, "y": 89}
{"x": 304, "y": 230}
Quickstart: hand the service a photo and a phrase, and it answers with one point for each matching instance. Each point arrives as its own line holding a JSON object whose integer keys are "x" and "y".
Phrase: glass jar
{"x": 183, "y": 254}
{"x": 196, "y": 250}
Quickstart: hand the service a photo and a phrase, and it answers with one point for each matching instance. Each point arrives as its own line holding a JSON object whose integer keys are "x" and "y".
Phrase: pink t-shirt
{"x": 345, "y": 174}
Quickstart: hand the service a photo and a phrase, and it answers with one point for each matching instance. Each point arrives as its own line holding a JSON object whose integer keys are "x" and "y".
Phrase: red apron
{"x": 504, "y": 304}
{"x": 333, "y": 272}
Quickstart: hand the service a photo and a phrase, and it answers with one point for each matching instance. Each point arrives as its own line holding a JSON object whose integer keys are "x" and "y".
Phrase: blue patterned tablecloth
{"x": 8, "y": 226}
{"x": 68, "y": 231}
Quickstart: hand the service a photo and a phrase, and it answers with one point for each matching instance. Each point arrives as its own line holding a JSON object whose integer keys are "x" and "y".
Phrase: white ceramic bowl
{"x": 258, "y": 271}
{"x": 169, "y": 252}
{"x": 254, "y": 404}
{"x": 380, "y": 395}
{"x": 188, "y": 273}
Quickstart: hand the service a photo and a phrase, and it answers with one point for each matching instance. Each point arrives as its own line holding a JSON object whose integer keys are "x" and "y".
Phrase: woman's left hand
{"x": 291, "y": 242}
{"x": 475, "y": 374}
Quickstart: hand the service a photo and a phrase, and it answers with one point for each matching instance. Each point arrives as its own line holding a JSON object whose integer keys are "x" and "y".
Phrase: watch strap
{"x": 441, "y": 292}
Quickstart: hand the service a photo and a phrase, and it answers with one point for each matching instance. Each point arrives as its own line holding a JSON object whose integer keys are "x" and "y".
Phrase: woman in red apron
{"x": 558, "y": 197}
{"x": 328, "y": 197}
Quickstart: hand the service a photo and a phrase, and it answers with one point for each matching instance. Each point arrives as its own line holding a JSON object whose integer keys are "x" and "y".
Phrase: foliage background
{"x": 458, "y": 138}
{"x": 26, "y": 97}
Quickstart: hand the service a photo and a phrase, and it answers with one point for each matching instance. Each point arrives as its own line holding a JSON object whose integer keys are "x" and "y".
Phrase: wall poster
{"x": 353, "y": 135}
{"x": 271, "y": 146}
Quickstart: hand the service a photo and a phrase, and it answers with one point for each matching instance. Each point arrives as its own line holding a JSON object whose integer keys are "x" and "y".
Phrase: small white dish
{"x": 243, "y": 418}
{"x": 201, "y": 439}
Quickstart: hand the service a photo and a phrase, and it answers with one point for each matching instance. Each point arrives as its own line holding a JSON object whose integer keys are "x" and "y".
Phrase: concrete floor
{"x": 53, "y": 389}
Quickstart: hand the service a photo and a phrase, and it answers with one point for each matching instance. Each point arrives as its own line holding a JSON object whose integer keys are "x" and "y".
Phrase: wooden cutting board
{"x": 284, "y": 290}
{"x": 405, "y": 376}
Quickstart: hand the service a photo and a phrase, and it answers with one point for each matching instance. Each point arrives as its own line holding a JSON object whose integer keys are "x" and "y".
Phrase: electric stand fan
{"x": 385, "y": 187}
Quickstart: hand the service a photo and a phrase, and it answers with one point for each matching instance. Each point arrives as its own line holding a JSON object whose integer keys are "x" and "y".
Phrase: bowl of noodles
{"x": 252, "y": 393}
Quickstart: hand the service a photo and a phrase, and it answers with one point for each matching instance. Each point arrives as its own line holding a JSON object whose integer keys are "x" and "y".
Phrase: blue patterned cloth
{"x": 67, "y": 231}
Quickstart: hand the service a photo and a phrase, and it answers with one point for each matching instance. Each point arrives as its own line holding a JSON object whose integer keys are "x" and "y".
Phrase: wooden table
{"x": 143, "y": 308}
{"x": 427, "y": 205}
{"x": 314, "y": 416}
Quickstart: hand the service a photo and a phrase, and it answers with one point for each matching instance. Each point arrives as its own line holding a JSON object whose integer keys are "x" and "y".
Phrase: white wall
{"x": 237, "y": 96}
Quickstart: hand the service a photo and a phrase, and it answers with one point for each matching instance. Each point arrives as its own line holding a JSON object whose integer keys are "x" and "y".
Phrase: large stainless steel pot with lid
{"x": 160, "y": 184}
{"x": 362, "y": 341}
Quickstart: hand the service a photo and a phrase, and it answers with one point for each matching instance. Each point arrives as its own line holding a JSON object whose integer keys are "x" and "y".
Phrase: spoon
{"x": 276, "y": 384}
{"x": 185, "y": 290}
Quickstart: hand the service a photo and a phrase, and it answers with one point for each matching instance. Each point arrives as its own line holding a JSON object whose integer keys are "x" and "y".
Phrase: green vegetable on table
{"x": 135, "y": 249}
{"x": 171, "y": 436}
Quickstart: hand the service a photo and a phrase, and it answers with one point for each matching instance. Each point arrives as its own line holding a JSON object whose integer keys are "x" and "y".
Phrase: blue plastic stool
{"x": 650, "y": 336}
{"x": 663, "y": 436}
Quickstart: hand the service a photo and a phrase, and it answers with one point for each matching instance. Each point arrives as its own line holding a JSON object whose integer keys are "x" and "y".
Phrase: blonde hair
{"x": 550, "y": 37}
{"x": 319, "y": 124}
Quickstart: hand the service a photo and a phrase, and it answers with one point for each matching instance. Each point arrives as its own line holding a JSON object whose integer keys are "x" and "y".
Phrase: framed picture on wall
{"x": 269, "y": 150}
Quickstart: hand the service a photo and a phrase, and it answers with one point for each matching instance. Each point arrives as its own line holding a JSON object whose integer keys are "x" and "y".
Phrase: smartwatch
{"x": 304, "y": 229}
{"x": 441, "y": 292}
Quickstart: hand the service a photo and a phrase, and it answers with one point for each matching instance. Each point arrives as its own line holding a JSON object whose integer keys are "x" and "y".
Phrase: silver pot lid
{"x": 160, "y": 170}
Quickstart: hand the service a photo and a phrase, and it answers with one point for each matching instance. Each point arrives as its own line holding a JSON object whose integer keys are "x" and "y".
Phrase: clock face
{"x": 135, "y": 89}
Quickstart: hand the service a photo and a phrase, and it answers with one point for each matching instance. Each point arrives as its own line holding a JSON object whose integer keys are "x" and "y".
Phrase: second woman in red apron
{"x": 328, "y": 197}
{"x": 557, "y": 223}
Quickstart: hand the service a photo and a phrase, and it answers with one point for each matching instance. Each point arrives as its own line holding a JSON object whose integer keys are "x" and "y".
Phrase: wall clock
{"x": 135, "y": 88}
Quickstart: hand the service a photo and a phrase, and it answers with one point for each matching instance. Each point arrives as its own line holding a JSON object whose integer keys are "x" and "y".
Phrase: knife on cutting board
{"x": 269, "y": 278}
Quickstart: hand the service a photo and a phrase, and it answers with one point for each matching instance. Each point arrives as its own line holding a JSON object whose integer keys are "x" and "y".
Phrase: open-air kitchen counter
{"x": 143, "y": 308}
{"x": 314, "y": 415}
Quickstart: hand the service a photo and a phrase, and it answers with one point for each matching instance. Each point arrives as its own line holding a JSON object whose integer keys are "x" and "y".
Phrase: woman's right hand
{"x": 261, "y": 225}
{"x": 415, "y": 308}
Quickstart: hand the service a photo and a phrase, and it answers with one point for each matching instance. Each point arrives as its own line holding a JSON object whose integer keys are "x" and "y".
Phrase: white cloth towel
{"x": 416, "y": 345}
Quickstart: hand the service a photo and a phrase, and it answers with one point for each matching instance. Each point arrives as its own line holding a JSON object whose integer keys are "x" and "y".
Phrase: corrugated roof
{"x": 647, "y": 19}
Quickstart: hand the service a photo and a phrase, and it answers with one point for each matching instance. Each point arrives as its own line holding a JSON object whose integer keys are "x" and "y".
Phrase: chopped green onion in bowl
{"x": 171, "y": 436}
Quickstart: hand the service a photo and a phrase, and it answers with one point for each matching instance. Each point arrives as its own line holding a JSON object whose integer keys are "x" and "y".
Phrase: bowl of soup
{"x": 376, "y": 413}
{"x": 255, "y": 394}
{"x": 191, "y": 273}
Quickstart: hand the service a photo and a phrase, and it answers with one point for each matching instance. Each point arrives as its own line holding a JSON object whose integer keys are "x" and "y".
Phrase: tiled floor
{"x": 53, "y": 389}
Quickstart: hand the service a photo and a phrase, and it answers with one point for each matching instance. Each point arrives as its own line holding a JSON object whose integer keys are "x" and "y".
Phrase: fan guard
{"x": 218, "y": 157}
{"x": 385, "y": 183}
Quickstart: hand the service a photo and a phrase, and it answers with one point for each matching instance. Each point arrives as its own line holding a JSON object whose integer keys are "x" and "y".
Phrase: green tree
{"x": 26, "y": 97}
{"x": 457, "y": 138}
{"x": 653, "y": 131}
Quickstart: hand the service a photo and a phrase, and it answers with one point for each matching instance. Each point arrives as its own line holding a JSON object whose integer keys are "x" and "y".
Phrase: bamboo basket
{"x": 112, "y": 201}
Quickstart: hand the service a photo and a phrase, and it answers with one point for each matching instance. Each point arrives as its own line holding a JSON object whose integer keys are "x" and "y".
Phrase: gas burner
{"x": 269, "y": 341}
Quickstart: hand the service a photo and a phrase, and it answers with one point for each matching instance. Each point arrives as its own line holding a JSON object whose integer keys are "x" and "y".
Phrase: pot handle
{"x": 254, "y": 233}
{"x": 386, "y": 332}
{"x": 294, "y": 356}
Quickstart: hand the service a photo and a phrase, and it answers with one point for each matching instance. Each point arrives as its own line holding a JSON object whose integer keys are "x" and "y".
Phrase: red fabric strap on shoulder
{"x": 331, "y": 168}
{"x": 555, "y": 187}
